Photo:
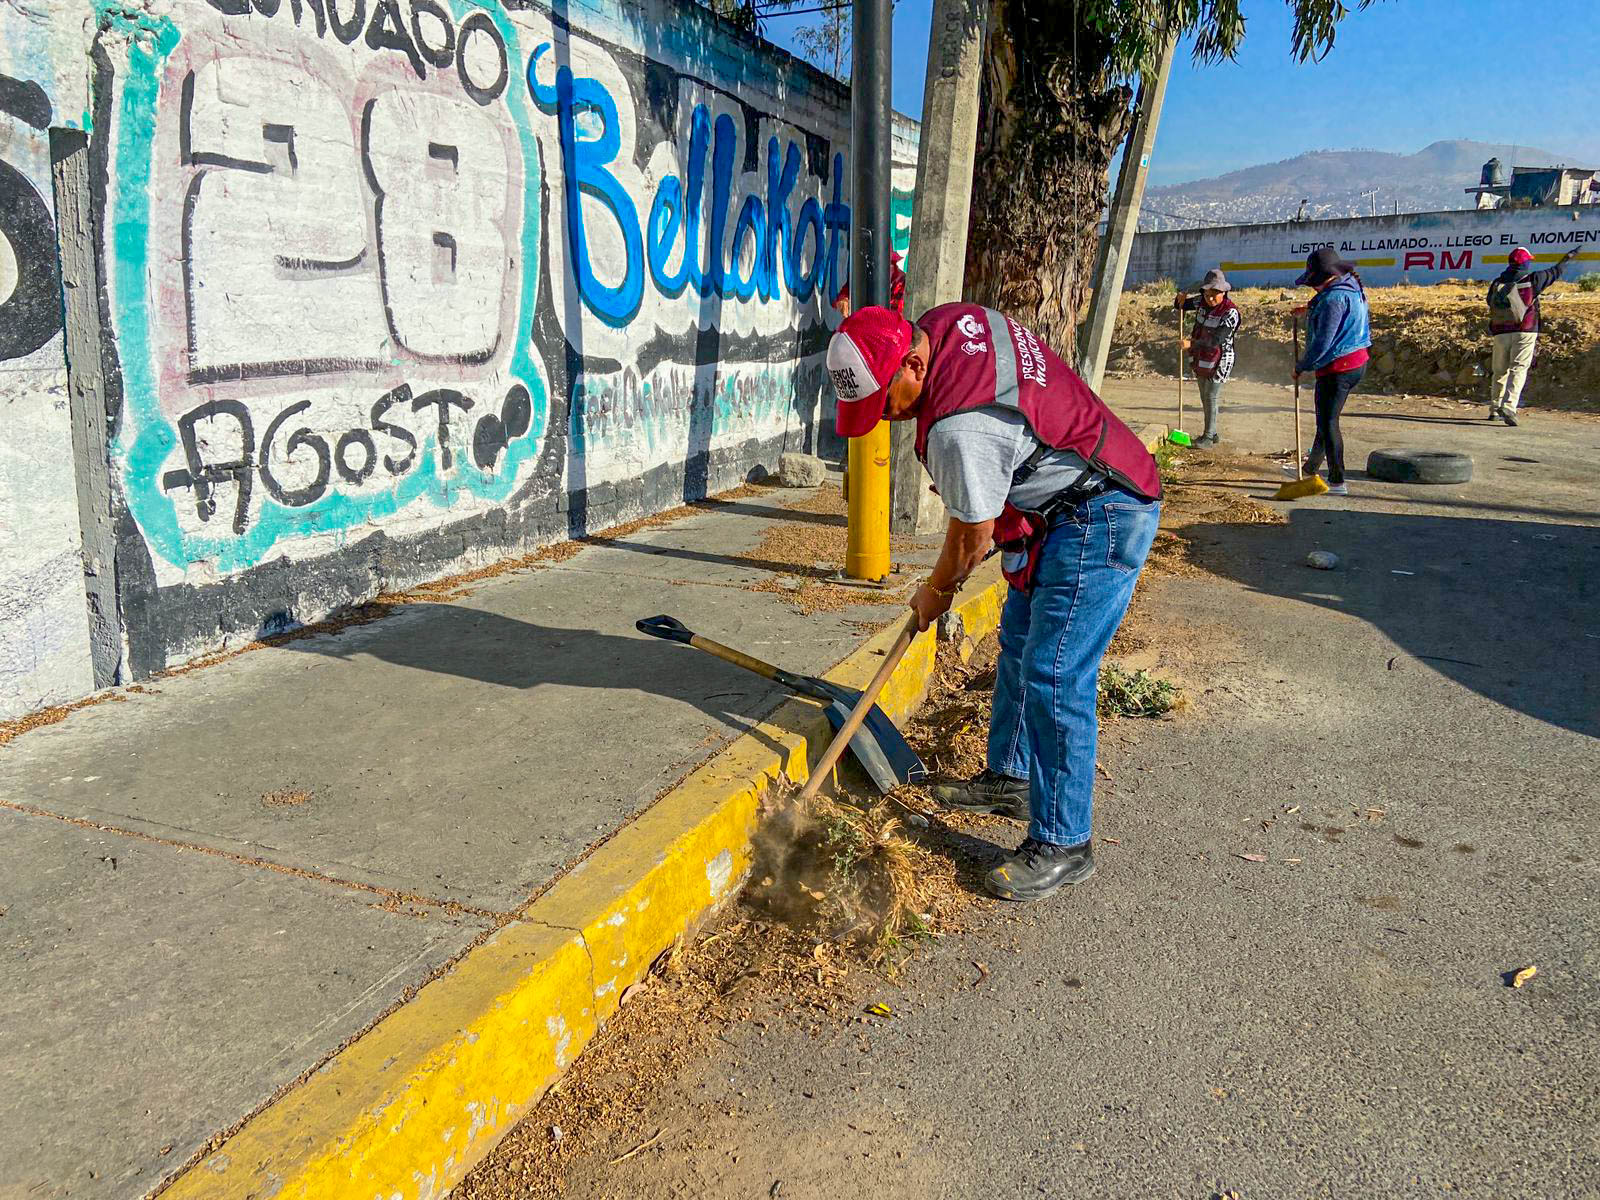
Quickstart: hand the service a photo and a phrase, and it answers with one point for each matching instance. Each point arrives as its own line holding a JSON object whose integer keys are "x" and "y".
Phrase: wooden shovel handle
{"x": 858, "y": 714}
{"x": 737, "y": 657}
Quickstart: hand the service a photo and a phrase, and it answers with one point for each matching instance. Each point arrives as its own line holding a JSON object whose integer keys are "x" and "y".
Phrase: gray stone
{"x": 951, "y": 628}
{"x": 801, "y": 470}
{"x": 1322, "y": 560}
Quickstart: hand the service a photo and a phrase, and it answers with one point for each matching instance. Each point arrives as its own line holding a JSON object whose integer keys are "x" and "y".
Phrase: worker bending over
{"x": 1027, "y": 457}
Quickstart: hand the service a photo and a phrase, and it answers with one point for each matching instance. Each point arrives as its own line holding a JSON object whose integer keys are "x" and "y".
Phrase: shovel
{"x": 878, "y": 746}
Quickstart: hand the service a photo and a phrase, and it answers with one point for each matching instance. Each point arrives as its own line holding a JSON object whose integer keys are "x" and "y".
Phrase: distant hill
{"x": 1433, "y": 179}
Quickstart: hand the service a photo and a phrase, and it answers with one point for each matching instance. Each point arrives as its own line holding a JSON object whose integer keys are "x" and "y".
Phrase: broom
{"x": 1303, "y": 485}
{"x": 1177, "y": 436}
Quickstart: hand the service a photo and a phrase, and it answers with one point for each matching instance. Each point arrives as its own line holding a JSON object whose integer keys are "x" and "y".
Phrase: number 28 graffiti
{"x": 350, "y": 275}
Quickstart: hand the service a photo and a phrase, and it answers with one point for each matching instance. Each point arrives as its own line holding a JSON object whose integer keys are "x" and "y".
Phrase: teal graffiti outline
{"x": 146, "y": 438}
{"x": 772, "y": 383}
{"x": 900, "y": 205}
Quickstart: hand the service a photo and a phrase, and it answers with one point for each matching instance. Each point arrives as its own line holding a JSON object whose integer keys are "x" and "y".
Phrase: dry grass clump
{"x": 846, "y": 873}
{"x": 1124, "y": 693}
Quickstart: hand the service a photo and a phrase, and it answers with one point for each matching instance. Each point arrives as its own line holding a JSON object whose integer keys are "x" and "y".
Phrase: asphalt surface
{"x": 1417, "y": 730}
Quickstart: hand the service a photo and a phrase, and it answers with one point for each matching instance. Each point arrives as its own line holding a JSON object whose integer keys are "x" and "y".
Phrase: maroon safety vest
{"x": 1517, "y": 310}
{"x": 980, "y": 358}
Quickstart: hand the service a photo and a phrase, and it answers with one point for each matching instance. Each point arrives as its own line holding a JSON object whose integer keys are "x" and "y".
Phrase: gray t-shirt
{"x": 972, "y": 456}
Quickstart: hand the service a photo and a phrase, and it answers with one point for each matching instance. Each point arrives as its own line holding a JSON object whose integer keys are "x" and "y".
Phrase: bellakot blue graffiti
{"x": 807, "y": 244}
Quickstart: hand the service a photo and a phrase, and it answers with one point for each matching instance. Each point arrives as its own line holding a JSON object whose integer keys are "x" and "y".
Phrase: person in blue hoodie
{"x": 1338, "y": 332}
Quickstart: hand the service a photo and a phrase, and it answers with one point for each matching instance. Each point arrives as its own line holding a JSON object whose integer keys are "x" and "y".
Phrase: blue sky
{"x": 1403, "y": 73}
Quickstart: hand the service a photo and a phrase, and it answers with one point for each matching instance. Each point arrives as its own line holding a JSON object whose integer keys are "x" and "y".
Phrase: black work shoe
{"x": 986, "y": 792}
{"x": 1039, "y": 869}
{"x": 1505, "y": 415}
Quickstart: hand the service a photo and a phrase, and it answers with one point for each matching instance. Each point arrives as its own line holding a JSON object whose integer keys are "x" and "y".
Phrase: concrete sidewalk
{"x": 208, "y": 888}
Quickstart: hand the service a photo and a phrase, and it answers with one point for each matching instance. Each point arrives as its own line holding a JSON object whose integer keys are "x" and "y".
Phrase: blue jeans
{"x": 1044, "y": 726}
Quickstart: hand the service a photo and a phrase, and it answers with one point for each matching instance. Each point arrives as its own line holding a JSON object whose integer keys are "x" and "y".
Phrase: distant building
{"x": 1535, "y": 187}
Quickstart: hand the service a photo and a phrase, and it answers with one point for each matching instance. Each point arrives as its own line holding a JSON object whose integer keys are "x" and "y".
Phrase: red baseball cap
{"x": 1519, "y": 256}
{"x": 862, "y": 358}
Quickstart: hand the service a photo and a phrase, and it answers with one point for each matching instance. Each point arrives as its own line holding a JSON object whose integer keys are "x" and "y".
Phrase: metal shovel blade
{"x": 878, "y": 745}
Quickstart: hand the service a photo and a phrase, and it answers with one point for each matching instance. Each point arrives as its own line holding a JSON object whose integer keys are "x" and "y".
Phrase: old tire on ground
{"x": 1419, "y": 466}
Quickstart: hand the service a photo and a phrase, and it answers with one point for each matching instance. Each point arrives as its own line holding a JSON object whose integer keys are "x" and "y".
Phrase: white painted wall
{"x": 397, "y": 287}
{"x": 44, "y": 629}
{"x": 1418, "y": 248}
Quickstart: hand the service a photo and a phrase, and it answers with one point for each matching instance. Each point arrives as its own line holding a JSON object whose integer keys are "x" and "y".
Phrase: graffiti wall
{"x": 390, "y": 288}
{"x": 1417, "y": 248}
{"x": 44, "y": 635}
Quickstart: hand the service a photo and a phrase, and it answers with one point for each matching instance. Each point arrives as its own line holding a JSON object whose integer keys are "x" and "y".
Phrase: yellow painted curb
{"x": 1152, "y": 435}
{"x": 404, "y": 1111}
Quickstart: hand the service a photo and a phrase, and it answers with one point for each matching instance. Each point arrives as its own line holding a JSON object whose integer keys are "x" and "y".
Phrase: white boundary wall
{"x": 1419, "y": 248}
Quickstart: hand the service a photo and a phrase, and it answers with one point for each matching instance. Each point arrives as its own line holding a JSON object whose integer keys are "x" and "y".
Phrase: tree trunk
{"x": 1050, "y": 119}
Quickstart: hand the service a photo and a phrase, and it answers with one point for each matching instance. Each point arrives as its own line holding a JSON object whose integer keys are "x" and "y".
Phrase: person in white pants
{"x": 1513, "y": 359}
{"x": 1514, "y": 322}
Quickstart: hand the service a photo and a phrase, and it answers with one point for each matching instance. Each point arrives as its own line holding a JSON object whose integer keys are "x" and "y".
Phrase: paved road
{"x": 1190, "y": 1023}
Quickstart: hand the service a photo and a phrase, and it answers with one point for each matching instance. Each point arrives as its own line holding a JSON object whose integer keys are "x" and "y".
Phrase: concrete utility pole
{"x": 1111, "y": 262}
{"x": 871, "y": 116}
{"x": 943, "y": 204}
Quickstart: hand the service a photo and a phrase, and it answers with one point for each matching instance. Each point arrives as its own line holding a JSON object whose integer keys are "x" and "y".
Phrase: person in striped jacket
{"x": 1210, "y": 345}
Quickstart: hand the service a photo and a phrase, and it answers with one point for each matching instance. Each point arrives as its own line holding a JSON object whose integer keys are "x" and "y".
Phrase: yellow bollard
{"x": 867, "y": 553}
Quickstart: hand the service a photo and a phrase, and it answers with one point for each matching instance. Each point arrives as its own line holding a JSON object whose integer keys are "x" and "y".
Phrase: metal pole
{"x": 1111, "y": 262}
{"x": 938, "y": 259}
{"x": 871, "y": 114}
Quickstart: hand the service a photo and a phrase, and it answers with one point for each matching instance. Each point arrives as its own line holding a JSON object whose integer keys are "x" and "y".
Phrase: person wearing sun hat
{"x": 1210, "y": 345}
{"x": 1338, "y": 332}
{"x": 1027, "y": 458}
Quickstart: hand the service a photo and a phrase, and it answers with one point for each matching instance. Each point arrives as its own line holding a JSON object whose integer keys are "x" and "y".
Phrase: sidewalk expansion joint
{"x": 389, "y": 895}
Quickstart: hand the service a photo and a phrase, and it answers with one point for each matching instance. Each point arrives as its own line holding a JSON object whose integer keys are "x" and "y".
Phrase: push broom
{"x": 1177, "y": 436}
{"x": 1304, "y": 485}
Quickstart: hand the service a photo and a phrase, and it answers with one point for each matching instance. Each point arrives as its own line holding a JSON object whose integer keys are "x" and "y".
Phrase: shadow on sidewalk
{"x": 488, "y": 647}
{"x": 1503, "y": 608}
{"x": 773, "y": 512}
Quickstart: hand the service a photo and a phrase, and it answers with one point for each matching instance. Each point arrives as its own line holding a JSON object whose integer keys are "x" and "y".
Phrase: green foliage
{"x": 741, "y": 12}
{"x": 1135, "y": 28}
{"x": 843, "y": 844}
{"x": 1136, "y": 693}
{"x": 826, "y": 42}
{"x": 1590, "y": 282}
{"x": 1165, "y": 454}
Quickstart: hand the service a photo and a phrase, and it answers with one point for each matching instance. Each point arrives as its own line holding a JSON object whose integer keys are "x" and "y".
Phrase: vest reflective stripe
{"x": 1005, "y": 358}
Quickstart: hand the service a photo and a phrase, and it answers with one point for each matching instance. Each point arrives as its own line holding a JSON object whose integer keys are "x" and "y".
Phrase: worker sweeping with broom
{"x": 1028, "y": 458}
{"x": 1338, "y": 332}
{"x": 1210, "y": 345}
